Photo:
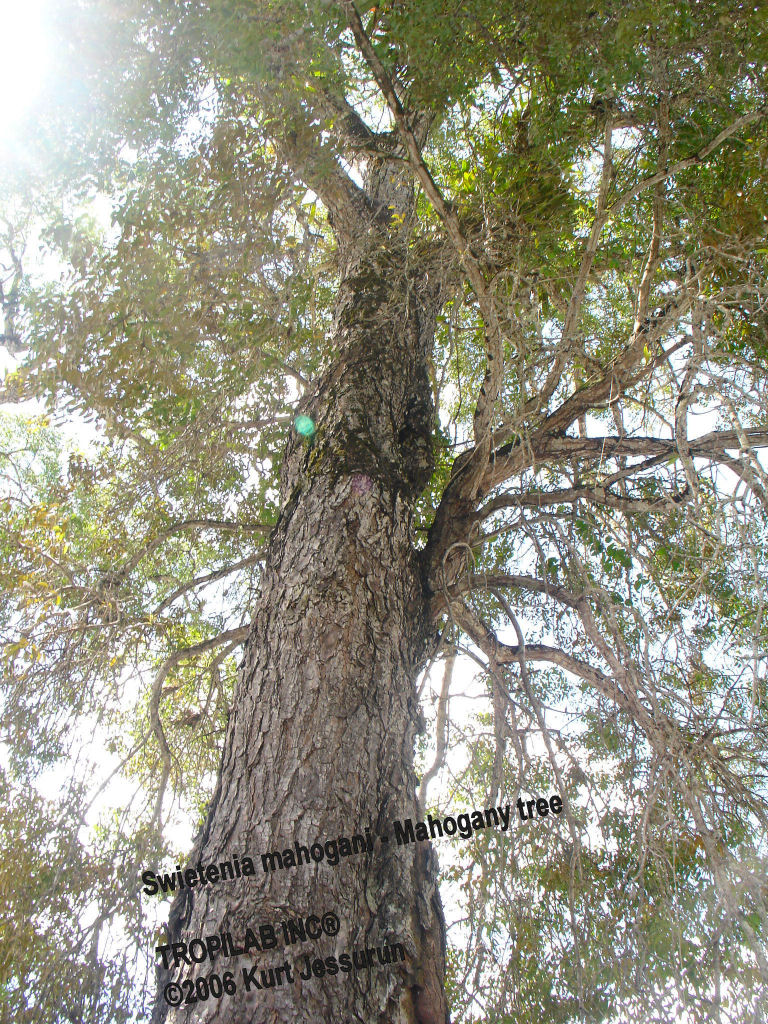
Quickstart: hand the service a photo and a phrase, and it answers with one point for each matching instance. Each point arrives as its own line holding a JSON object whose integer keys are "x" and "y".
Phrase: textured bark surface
{"x": 320, "y": 739}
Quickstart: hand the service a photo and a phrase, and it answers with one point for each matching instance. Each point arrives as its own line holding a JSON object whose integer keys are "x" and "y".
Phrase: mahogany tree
{"x": 414, "y": 328}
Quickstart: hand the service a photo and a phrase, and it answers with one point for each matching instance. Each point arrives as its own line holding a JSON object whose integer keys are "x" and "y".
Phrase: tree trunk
{"x": 320, "y": 739}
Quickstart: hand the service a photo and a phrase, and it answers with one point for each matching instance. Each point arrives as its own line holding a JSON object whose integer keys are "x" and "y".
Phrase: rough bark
{"x": 320, "y": 738}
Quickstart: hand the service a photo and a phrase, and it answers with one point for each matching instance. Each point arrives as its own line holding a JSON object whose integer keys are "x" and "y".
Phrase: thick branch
{"x": 505, "y": 654}
{"x": 299, "y": 145}
{"x": 597, "y": 494}
{"x": 519, "y": 457}
{"x": 489, "y": 580}
{"x": 491, "y": 385}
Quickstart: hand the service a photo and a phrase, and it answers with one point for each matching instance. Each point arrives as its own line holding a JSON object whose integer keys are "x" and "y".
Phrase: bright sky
{"x": 24, "y": 57}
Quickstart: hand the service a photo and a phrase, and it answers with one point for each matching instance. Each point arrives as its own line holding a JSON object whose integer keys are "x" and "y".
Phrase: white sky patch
{"x": 25, "y": 48}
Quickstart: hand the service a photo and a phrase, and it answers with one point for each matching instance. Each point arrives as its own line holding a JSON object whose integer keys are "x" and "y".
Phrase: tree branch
{"x": 211, "y": 577}
{"x": 441, "y": 732}
{"x": 230, "y": 636}
{"x": 505, "y": 654}
{"x": 491, "y": 580}
{"x": 489, "y": 390}
{"x": 519, "y": 457}
{"x": 686, "y": 162}
{"x": 596, "y": 494}
{"x": 579, "y": 288}
{"x": 225, "y": 526}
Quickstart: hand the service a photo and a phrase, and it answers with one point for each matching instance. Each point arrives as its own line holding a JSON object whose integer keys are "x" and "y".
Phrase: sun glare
{"x": 23, "y": 58}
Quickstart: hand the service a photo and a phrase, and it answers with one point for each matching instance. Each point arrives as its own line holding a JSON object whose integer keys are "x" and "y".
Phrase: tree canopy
{"x": 591, "y": 201}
